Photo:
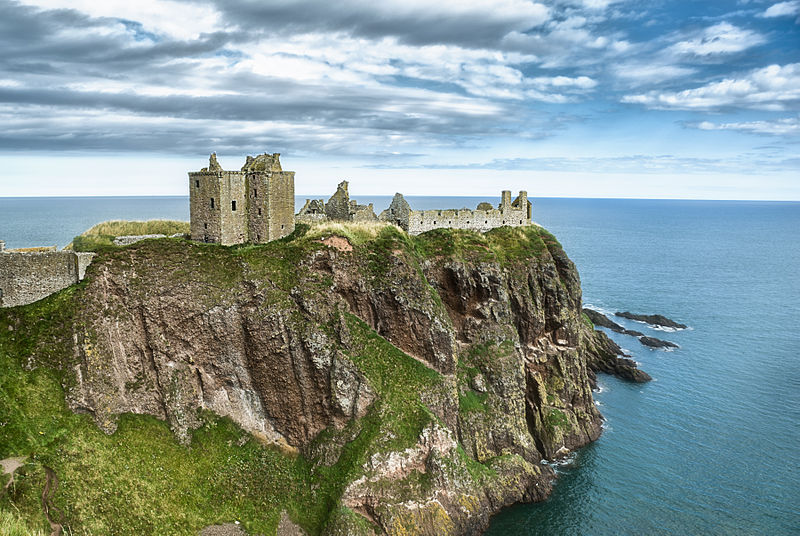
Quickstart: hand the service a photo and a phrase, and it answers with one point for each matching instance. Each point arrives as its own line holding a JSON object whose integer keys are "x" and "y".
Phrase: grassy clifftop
{"x": 103, "y": 234}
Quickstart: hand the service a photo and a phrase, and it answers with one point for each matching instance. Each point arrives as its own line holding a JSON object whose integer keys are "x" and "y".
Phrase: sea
{"x": 712, "y": 445}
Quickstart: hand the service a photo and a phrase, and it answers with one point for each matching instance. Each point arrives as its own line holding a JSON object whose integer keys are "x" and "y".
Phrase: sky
{"x": 568, "y": 98}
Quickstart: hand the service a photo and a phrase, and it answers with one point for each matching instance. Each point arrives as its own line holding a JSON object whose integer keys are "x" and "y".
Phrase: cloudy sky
{"x": 580, "y": 98}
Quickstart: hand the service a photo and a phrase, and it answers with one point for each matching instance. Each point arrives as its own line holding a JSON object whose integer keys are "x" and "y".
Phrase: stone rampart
{"x": 420, "y": 221}
{"x": 26, "y": 277}
{"x": 484, "y": 218}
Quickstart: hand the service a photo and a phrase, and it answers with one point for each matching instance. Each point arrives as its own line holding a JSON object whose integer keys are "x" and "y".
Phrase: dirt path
{"x": 50, "y": 487}
{"x": 10, "y": 466}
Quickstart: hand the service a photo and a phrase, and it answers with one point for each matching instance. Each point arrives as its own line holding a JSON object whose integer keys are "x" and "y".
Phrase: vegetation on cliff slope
{"x": 103, "y": 234}
{"x": 142, "y": 480}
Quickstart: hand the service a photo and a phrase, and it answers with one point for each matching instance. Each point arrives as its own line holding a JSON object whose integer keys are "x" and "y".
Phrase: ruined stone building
{"x": 483, "y": 218}
{"x": 338, "y": 208}
{"x": 255, "y": 204}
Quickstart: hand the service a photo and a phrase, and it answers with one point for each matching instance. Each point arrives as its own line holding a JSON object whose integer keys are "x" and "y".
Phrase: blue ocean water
{"x": 712, "y": 445}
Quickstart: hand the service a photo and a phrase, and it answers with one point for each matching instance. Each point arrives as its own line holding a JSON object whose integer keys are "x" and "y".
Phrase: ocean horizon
{"x": 711, "y": 446}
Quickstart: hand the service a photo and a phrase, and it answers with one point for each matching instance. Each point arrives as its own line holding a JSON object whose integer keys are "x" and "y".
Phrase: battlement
{"x": 255, "y": 204}
{"x": 485, "y": 217}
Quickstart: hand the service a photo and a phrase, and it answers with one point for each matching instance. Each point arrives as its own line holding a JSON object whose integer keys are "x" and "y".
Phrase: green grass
{"x": 505, "y": 245}
{"x": 472, "y": 401}
{"x": 103, "y": 234}
{"x": 399, "y": 379}
{"x": 11, "y": 524}
{"x": 357, "y": 233}
{"x": 556, "y": 419}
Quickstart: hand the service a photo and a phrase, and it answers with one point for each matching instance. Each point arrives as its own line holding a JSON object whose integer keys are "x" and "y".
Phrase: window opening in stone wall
{"x": 255, "y": 192}
{"x": 258, "y": 237}
{"x": 487, "y": 221}
{"x": 259, "y": 212}
{"x": 450, "y": 222}
{"x": 205, "y": 226}
{"x": 212, "y": 202}
{"x": 282, "y": 226}
{"x": 520, "y": 222}
{"x": 467, "y": 222}
{"x": 504, "y": 222}
{"x": 233, "y": 206}
{"x": 197, "y": 183}
{"x": 434, "y": 222}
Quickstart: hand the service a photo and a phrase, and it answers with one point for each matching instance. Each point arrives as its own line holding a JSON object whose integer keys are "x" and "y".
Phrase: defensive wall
{"x": 509, "y": 213}
{"x": 28, "y": 276}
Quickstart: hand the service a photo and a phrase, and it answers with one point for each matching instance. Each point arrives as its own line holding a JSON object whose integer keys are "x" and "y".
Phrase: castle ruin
{"x": 338, "y": 208}
{"x": 255, "y": 204}
{"x": 485, "y": 217}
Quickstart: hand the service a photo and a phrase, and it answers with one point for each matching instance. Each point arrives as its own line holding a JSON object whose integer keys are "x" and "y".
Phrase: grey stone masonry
{"x": 255, "y": 204}
{"x": 30, "y": 275}
{"x": 484, "y": 218}
{"x": 338, "y": 208}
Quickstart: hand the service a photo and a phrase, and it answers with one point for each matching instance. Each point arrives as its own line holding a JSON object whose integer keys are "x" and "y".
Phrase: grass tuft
{"x": 103, "y": 234}
{"x": 357, "y": 233}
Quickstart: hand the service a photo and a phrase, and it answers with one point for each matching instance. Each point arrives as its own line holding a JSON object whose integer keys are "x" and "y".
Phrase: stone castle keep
{"x": 254, "y": 205}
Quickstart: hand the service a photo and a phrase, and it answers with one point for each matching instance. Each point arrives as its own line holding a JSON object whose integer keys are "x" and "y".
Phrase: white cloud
{"x": 722, "y": 38}
{"x": 176, "y": 19}
{"x": 774, "y": 88}
{"x": 650, "y": 73}
{"x": 782, "y": 9}
{"x": 778, "y": 127}
{"x": 579, "y": 82}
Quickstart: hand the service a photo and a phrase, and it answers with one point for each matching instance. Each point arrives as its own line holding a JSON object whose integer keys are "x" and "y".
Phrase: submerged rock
{"x": 599, "y": 319}
{"x": 653, "y": 320}
{"x": 657, "y": 343}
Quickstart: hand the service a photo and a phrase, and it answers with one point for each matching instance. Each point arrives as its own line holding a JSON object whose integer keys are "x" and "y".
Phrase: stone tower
{"x": 255, "y": 204}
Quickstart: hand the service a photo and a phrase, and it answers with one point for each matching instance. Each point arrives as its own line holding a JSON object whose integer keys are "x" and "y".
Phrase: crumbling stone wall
{"x": 338, "y": 208}
{"x": 313, "y": 211}
{"x": 255, "y": 204}
{"x": 484, "y": 218}
{"x": 26, "y": 277}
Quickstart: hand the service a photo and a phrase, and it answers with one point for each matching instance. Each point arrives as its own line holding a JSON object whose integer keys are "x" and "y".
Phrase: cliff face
{"x": 432, "y": 374}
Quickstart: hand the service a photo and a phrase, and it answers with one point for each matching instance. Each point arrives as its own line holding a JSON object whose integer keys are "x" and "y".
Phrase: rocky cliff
{"x": 421, "y": 380}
